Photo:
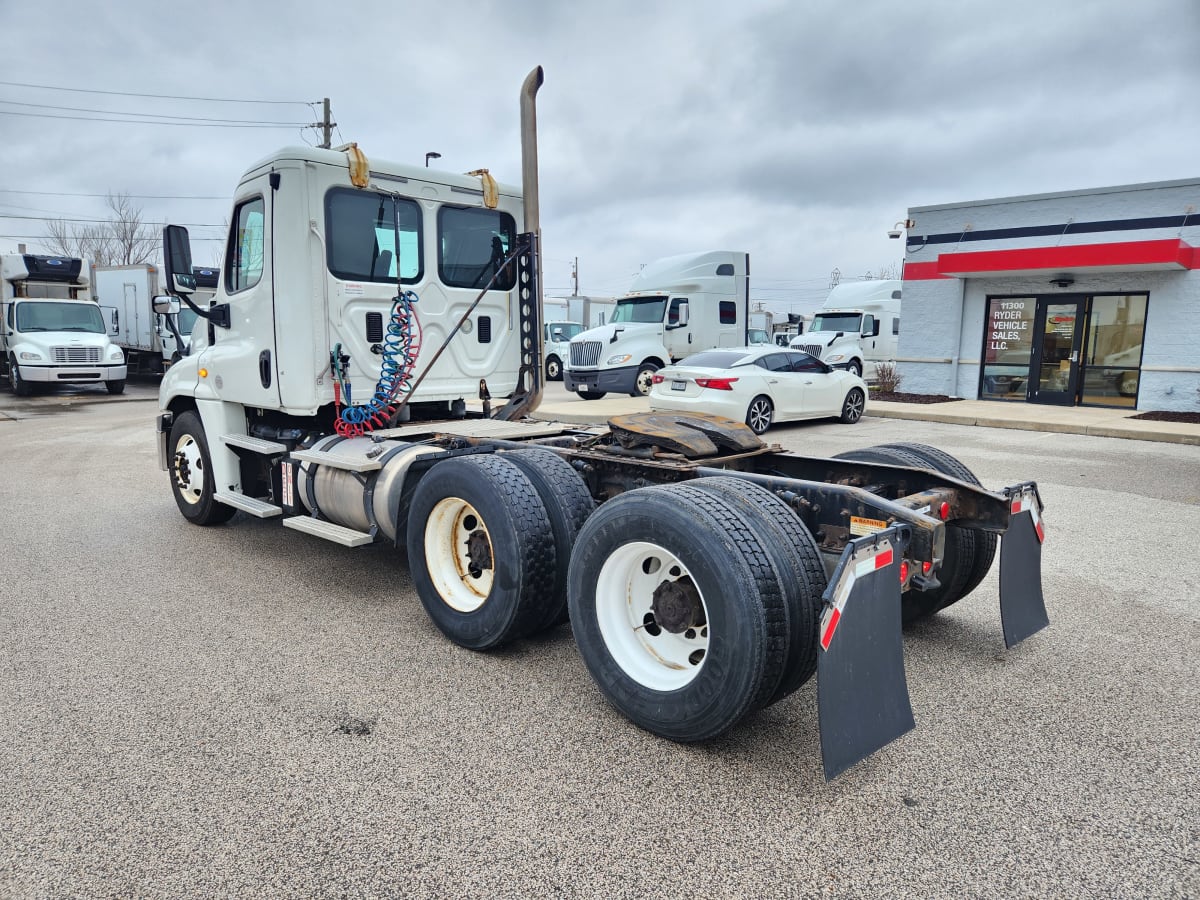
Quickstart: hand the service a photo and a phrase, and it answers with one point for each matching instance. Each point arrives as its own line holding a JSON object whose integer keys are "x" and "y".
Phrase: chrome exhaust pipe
{"x": 529, "y": 192}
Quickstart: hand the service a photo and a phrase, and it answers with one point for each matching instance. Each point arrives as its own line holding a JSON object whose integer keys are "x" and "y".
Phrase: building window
{"x": 1007, "y": 346}
{"x": 1113, "y": 354}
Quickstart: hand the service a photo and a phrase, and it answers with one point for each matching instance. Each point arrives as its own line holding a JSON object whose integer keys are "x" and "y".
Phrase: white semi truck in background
{"x": 675, "y": 307}
{"x": 363, "y": 384}
{"x": 52, "y": 331}
{"x": 856, "y": 328}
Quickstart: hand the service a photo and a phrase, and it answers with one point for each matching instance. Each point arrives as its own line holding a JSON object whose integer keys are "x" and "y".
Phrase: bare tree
{"x": 121, "y": 239}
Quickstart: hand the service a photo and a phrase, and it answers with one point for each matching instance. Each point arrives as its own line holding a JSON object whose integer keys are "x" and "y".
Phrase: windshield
{"x": 60, "y": 317}
{"x": 837, "y": 322}
{"x": 562, "y": 331}
{"x": 187, "y": 320}
{"x": 640, "y": 309}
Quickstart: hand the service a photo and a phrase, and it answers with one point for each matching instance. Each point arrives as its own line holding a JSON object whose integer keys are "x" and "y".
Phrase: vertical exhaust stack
{"x": 529, "y": 192}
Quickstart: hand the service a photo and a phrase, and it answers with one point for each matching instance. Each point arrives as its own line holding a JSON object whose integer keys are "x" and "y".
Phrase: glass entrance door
{"x": 1057, "y": 340}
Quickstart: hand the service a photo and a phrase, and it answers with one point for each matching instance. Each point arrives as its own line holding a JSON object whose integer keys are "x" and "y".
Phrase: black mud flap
{"x": 1022, "y": 606}
{"x": 862, "y": 694}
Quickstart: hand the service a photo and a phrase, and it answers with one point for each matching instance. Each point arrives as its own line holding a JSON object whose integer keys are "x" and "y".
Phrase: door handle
{"x": 1075, "y": 356}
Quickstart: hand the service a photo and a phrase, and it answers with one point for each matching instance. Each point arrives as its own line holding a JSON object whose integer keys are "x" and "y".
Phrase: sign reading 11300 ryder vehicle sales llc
{"x": 1009, "y": 330}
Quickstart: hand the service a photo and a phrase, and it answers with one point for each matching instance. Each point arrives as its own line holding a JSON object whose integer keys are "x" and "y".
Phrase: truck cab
{"x": 856, "y": 328}
{"x": 677, "y": 306}
{"x": 52, "y": 332}
{"x": 558, "y": 343}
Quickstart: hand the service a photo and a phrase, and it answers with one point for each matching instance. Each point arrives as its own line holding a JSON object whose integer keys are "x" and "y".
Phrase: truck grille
{"x": 76, "y": 355}
{"x": 585, "y": 354}
{"x": 811, "y": 349}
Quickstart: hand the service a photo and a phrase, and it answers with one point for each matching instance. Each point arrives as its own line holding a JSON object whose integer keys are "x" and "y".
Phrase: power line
{"x": 48, "y": 87}
{"x": 5, "y": 112}
{"x": 130, "y": 196}
{"x": 46, "y": 237}
{"x": 120, "y": 112}
{"x": 100, "y": 221}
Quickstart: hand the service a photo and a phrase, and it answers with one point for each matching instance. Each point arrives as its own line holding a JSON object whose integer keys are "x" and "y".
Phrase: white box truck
{"x": 676, "y": 306}
{"x": 152, "y": 340}
{"x": 53, "y": 333}
{"x": 857, "y": 327}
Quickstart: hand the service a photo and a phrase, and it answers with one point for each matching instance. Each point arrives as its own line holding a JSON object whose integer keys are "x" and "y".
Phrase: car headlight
{"x": 617, "y": 360}
{"x": 116, "y": 354}
{"x": 837, "y": 357}
{"x": 25, "y": 354}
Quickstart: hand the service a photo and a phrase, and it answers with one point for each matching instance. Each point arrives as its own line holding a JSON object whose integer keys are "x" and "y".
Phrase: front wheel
{"x": 192, "y": 480}
{"x": 553, "y": 369}
{"x": 644, "y": 380}
{"x": 759, "y": 414}
{"x": 115, "y": 387}
{"x": 20, "y": 386}
{"x": 593, "y": 395}
{"x": 852, "y": 409}
{"x": 856, "y": 367}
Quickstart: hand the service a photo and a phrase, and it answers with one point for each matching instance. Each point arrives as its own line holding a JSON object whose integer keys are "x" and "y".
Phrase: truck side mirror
{"x": 683, "y": 314}
{"x": 875, "y": 329}
{"x": 166, "y": 306}
{"x": 177, "y": 259}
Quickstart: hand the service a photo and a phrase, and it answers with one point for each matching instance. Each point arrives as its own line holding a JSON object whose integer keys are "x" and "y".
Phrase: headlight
{"x": 116, "y": 354}
{"x": 25, "y": 354}
{"x": 617, "y": 360}
{"x": 837, "y": 357}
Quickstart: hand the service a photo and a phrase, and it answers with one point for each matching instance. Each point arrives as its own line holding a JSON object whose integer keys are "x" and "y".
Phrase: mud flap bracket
{"x": 862, "y": 693}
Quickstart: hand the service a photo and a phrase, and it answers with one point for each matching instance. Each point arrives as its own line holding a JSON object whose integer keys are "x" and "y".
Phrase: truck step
{"x": 258, "y": 445}
{"x": 328, "y": 531}
{"x": 358, "y": 464}
{"x": 260, "y": 508}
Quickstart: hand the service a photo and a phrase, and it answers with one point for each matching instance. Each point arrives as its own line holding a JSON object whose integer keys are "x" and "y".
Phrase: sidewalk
{"x": 1098, "y": 422}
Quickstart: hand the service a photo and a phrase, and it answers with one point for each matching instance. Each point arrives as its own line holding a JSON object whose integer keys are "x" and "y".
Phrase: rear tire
{"x": 568, "y": 504}
{"x": 481, "y": 551}
{"x": 854, "y": 406}
{"x": 959, "y": 558}
{"x": 192, "y": 480}
{"x": 798, "y": 565}
{"x": 677, "y": 611}
{"x": 760, "y": 413}
{"x": 985, "y": 541}
{"x": 115, "y": 387}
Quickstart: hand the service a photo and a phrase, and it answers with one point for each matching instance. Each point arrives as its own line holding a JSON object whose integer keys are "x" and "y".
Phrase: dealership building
{"x": 1075, "y": 298}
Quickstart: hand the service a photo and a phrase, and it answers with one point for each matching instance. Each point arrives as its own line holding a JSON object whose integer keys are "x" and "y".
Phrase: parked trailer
{"x": 705, "y": 574}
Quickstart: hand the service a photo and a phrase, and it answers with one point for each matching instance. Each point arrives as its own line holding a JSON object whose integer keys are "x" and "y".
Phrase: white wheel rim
{"x": 189, "y": 469}
{"x": 624, "y": 594}
{"x": 645, "y": 381}
{"x": 461, "y": 584}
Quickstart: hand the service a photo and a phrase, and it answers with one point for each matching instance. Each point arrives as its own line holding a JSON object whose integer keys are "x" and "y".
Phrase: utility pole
{"x": 575, "y": 275}
{"x": 326, "y": 126}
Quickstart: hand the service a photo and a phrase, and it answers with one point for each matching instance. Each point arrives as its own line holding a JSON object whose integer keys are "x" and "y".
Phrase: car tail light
{"x": 716, "y": 384}
{"x": 657, "y": 379}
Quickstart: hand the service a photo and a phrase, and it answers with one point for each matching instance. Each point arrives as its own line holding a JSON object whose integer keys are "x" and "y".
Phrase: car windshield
{"x": 837, "y": 322}
{"x": 59, "y": 317}
{"x": 714, "y": 359}
{"x": 639, "y": 309}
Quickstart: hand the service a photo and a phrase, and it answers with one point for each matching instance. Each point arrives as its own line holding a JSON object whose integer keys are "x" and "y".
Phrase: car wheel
{"x": 644, "y": 380}
{"x": 759, "y": 414}
{"x": 553, "y": 369}
{"x": 856, "y": 367}
{"x": 852, "y": 409}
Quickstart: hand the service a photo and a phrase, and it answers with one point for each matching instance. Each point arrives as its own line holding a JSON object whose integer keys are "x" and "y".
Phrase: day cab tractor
{"x": 366, "y": 372}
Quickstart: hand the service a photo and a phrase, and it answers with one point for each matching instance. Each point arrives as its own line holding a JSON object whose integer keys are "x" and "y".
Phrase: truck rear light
{"x": 926, "y": 567}
{"x": 944, "y": 511}
{"x": 716, "y": 384}
{"x": 903, "y": 571}
{"x": 657, "y": 379}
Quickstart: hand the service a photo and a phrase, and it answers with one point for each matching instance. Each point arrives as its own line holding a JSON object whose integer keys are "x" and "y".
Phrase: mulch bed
{"x": 1163, "y": 416}
{"x": 898, "y": 397}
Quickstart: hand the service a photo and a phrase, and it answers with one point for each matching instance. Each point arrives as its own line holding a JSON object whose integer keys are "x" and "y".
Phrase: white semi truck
{"x": 365, "y": 371}
{"x": 675, "y": 307}
{"x": 52, "y": 332}
{"x": 856, "y": 328}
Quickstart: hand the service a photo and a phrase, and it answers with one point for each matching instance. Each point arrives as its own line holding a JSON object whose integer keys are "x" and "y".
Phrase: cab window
{"x": 244, "y": 254}
{"x": 369, "y": 236}
{"x": 472, "y": 246}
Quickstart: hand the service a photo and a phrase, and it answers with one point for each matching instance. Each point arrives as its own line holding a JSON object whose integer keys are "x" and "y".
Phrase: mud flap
{"x": 1022, "y": 606}
{"x": 862, "y": 693}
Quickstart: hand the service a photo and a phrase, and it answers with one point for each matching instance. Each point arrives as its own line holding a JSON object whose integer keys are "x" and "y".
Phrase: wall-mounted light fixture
{"x": 1063, "y": 281}
{"x": 897, "y": 229}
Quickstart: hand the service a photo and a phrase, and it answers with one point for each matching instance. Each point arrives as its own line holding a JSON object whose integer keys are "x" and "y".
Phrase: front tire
{"x": 644, "y": 380}
{"x": 20, "y": 386}
{"x": 759, "y": 414}
{"x": 481, "y": 551}
{"x": 115, "y": 387}
{"x": 593, "y": 395}
{"x": 192, "y": 480}
{"x": 853, "y": 407}
{"x": 856, "y": 367}
{"x": 553, "y": 369}
{"x": 677, "y": 611}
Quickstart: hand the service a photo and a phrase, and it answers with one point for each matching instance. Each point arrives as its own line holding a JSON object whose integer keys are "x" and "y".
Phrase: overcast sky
{"x": 798, "y": 131}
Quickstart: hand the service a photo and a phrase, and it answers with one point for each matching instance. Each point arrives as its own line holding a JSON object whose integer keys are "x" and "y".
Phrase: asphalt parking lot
{"x": 246, "y": 710}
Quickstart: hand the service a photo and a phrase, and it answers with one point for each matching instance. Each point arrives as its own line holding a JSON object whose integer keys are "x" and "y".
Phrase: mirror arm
{"x": 218, "y": 315}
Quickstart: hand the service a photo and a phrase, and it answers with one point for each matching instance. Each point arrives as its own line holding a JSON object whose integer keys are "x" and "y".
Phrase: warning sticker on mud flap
{"x": 860, "y": 526}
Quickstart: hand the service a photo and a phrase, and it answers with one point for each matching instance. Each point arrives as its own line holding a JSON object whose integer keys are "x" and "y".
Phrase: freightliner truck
{"x": 365, "y": 372}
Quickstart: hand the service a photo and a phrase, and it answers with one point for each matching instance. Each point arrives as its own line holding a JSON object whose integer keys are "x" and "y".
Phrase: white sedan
{"x": 759, "y": 385}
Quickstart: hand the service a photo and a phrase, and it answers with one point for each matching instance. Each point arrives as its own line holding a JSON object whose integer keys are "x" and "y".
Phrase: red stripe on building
{"x": 1164, "y": 255}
